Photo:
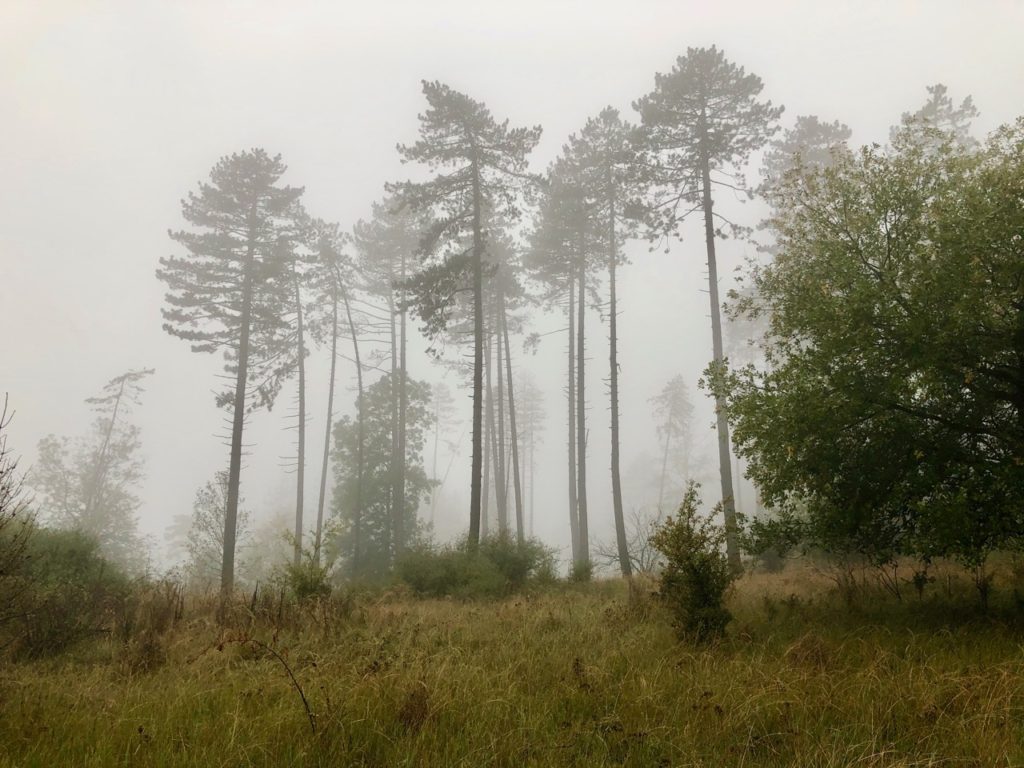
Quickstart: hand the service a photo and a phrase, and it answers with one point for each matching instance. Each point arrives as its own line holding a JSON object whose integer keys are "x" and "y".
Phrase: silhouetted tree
{"x": 701, "y": 119}
{"x": 233, "y": 289}
{"x": 481, "y": 166}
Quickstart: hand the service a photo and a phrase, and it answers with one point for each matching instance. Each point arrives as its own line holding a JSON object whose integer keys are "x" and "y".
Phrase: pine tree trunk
{"x": 394, "y": 503}
{"x": 403, "y": 400}
{"x": 227, "y": 570}
{"x": 478, "y": 361}
{"x": 613, "y": 361}
{"x": 581, "y": 417}
{"x": 514, "y": 437}
{"x": 434, "y": 489}
{"x": 571, "y": 394}
{"x": 321, "y": 500}
{"x": 300, "y": 468}
{"x": 722, "y": 421}
{"x": 485, "y": 503}
{"x": 357, "y": 514}
{"x": 500, "y": 475}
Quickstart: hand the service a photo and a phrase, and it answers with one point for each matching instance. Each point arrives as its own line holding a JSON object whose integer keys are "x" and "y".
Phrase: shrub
{"x": 499, "y": 566}
{"x": 71, "y": 592}
{"x": 696, "y": 573}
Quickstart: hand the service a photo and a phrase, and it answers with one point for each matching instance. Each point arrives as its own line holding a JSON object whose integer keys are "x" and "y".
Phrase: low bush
{"x": 70, "y": 592}
{"x": 696, "y": 574}
{"x": 500, "y": 565}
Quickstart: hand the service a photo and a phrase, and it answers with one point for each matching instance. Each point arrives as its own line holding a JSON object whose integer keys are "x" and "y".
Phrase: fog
{"x": 114, "y": 111}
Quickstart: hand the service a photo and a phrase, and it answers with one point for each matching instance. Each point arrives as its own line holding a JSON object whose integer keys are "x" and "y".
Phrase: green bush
{"x": 696, "y": 573}
{"x": 499, "y": 566}
{"x": 71, "y": 592}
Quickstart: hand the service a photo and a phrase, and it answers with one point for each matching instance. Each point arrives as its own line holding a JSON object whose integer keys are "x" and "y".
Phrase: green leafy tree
{"x": 888, "y": 416}
{"x": 481, "y": 167}
{"x": 371, "y": 494}
{"x": 702, "y": 120}
{"x": 233, "y": 289}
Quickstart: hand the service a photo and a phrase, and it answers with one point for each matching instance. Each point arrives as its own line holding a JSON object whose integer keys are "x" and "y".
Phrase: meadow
{"x": 807, "y": 674}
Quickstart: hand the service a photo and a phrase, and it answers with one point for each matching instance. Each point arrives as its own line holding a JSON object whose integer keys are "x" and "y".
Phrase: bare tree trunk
{"x": 722, "y": 420}
{"x": 300, "y": 468}
{"x": 488, "y": 438}
{"x": 227, "y": 569}
{"x": 500, "y": 476}
{"x": 357, "y": 516}
{"x": 394, "y": 499}
{"x": 514, "y": 437}
{"x": 403, "y": 401}
{"x": 435, "y": 488}
{"x": 571, "y": 392}
{"x": 613, "y": 361}
{"x": 478, "y": 362}
{"x": 327, "y": 436}
{"x": 581, "y": 417}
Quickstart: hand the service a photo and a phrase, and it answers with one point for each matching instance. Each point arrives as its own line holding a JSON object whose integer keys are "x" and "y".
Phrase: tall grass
{"x": 580, "y": 675}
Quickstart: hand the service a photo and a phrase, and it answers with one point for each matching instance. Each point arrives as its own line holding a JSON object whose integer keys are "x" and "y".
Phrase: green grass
{"x": 580, "y": 676}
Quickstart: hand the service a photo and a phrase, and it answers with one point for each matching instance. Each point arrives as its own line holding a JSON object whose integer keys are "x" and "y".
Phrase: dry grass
{"x": 576, "y": 676}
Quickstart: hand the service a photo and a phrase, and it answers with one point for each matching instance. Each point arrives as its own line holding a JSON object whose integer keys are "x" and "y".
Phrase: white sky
{"x": 113, "y": 111}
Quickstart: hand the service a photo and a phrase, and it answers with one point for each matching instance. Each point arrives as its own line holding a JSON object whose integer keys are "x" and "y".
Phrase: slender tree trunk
{"x": 574, "y": 519}
{"x": 478, "y": 361}
{"x": 300, "y": 468}
{"x": 485, "y": 504}
{"x": 394, "y": 502}
{"x": 613, "y": 361}
{"x": 500, "y": 475}
{"x": 95, "y": 494}
{"x": 321, "y": 500}
{"x": 530, "y": 470}
{"x": 581, "y": 417}
{"x": 357, "y": 516}
{"x": 722, "y": 420}
{"x": 514, "y": 436}
{"x": 403, "y": 400}
{"x": 227, "y": 570}
{"x": 433, "y": 469}
{"x": 664, "y": 468}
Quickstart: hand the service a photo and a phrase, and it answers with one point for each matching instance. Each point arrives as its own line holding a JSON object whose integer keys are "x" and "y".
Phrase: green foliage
{"x": 886, "y": 417}
{"x": 363, "y": 540}
{"x": 308, "y": 579}
{"x": 499, "y": 566}
{"x": 696, "y": 573}
{"x": 70, "y": 592}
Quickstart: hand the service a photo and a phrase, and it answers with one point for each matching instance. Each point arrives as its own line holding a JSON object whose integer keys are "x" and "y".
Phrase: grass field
{"x": 570, "y": 675}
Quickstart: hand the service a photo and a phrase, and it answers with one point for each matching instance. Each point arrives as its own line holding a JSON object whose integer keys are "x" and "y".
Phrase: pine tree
{"x": 481, "y": 166}
{"x": 232, "y": 291}
{"x": 701, "y": 120}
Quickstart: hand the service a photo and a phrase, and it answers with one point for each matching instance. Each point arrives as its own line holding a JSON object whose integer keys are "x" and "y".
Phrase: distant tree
{"x": 939, "y": 112}
{"x": 613, "y": 181}
{"x": 674, "y": 414}
{"x": 87, "y": 484}
{"x": 565, "y": 254}
{"x": 702, "y": 119}
{"x": 233, "y": 289}
{"x": 443, "y": 417}
{"x": 484, "y": 166}
{"x": 533, "y": 415}
{"x": 205, "y": 537}
{"x": 810, "y": 144}
{"x": 386, "y": 244}
{"x": 377, "y": 550}
{"x": 878, "y": 423}
{"x": 332, "y": 280}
